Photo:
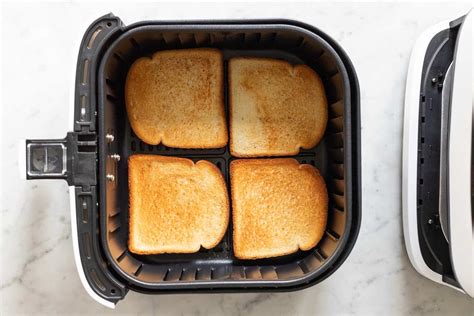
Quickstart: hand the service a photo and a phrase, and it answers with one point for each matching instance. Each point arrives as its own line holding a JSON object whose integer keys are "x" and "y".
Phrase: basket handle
{"x": 72, "y": 158}
{"x": 44, "y": 159}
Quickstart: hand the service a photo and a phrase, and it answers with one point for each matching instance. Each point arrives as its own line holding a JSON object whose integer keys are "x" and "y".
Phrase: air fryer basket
{"x": 218, "y": 268}
{"x": 92, "y": 158}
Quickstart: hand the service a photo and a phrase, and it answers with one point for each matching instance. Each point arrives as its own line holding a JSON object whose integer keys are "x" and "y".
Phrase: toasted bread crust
{"x": 176, "y": 206}
{"x": 177, "y": 98}
{"x": 278, "y": 207}
{"x": 275, "y": 108}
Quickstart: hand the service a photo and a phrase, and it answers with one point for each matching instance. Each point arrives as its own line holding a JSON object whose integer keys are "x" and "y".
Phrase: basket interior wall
{"x": 218, "y": 264}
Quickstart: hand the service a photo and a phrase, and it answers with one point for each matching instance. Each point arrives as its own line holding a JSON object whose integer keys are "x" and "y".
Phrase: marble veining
{"x": 38, "y": 273}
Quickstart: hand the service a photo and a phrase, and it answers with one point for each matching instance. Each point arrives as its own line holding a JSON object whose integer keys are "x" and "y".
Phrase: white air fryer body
{"x": 451, "y": 93}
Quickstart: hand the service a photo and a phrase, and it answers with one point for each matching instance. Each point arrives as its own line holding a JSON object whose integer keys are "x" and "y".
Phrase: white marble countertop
{"x": 38, "y": 274}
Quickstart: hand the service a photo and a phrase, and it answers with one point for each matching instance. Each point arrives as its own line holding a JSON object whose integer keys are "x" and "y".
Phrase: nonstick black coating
{"x": 218, "y": 268}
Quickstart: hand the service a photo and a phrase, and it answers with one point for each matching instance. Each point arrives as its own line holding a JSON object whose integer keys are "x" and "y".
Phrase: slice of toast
{"x": 278, "y": 207}
{"x": 177, "y": 98}
{"x": 176, "y": 206}
{"x": 275, "y": 108}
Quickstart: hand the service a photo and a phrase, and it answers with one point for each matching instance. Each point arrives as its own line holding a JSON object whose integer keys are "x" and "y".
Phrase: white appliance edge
{"x": 410, "y": 153}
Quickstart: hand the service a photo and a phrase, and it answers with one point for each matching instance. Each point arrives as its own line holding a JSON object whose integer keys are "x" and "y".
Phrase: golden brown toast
{"x": 278, "y": 207}
{"x": 275, "y": 108}
{"x": 176, "y": 98}
{"x": 176, "y": 206}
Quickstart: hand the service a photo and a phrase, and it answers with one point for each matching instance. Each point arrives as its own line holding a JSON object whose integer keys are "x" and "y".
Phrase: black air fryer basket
{"x": 93, "y": 159}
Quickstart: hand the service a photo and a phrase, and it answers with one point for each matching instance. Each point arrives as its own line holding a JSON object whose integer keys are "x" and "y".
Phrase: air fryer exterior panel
{"x": 451, "y": 148}
{"x": 460, "y": 160}
{"x": 410, "y": 152}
